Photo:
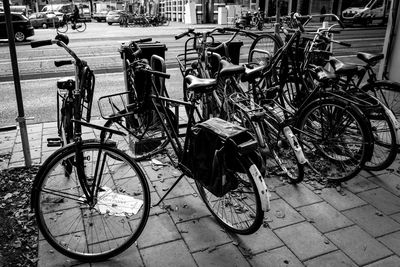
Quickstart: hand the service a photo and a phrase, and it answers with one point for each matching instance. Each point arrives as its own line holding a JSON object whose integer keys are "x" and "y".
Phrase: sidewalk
{"x": 355, "y": 225}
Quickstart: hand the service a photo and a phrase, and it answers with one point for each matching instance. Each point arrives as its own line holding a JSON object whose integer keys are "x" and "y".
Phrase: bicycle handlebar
{"x": 35, "y": 44}
{"x": 59, "y": 63}
{"x": 330, "y": 40}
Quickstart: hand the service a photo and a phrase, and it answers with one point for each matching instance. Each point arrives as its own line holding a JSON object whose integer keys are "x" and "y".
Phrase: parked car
{"x": 113, "y": 16}
{"x": 44, "y": 20}
{"x": 21, "y": 25}
{"x": 100, "y": 16}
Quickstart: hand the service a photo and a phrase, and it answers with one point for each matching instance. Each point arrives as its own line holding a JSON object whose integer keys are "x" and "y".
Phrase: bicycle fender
{"x": 294, "y": 143}
{"x": 261, "y": 187}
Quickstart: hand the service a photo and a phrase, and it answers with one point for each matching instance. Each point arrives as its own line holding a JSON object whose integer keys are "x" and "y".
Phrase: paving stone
{"x": 226, "y": 255}
{"x": 279, "y": 257}
{"x": 129, "y": 257}
{"x": 168, "y": 254}
{"x": 50, "y": 257}
{"x": 203, "y": 234}
{"x": 155, "y": 210}
{"x": 159, "y": 229}
{"x": 358, "y": 245}
{"x": 297, "y": 195}
{"x": 262, "y": 240}
{"x": 339, "y": 201}
{"x": 281, "y": 214}
{"x": 392, "y": 241}
{"x": 181, "y": 189}
{"x": 186, "y": 208}
{"x": 372, "y": 221}
{"x": 304, "y": 240}
{"x": 393, "y": 261}
{"x": 396, "y": 217}
{"x": 324, "y": 217}
{"x": 333, "y": 259}
{"x": 382, "y": 199}
{"x": 155, "y": 172}
{"x": 359, "y": 184}
{"x": 390, "y": 181}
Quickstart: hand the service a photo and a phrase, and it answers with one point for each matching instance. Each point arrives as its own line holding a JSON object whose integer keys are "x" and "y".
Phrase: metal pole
{"x": 17, "y": 85}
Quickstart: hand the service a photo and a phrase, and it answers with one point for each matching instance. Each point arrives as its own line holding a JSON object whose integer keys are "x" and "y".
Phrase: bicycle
{"x": 79, "y": 26}
{"x": 327, "y": 127}
{"x": 82, "y": 86}
{"x": 239, "y": 202}
{"x": 96, "y": 207}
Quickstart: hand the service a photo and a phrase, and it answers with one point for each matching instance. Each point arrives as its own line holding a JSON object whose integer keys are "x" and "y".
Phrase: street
{"x": 98, "y": 45}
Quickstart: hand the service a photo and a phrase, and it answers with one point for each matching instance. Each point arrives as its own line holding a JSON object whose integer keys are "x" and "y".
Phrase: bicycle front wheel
{"x": 239, "y": 210}
{"x": 91, "y": 230}
{"x": 62, "y": 27}
{"x": 336, "y": 138}
{"x": 80, "y": 26}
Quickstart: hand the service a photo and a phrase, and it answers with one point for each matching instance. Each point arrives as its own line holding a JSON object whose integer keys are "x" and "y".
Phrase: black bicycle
{"x": 91, "y": 200}
{"x": 219, "y": 155}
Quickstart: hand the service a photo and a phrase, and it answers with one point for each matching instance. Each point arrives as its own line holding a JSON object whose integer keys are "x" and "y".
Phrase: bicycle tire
{"x": 387, "y": 92}
{"x": 62, "y": 28}
{"x": 80, "y": 26}
{"x": 90, "y": 233}
{"x": 336, "y": 138}
{"x": 146, "y": 135}
{"x": 280, "y": 149}
{"x": 238, "y": 211}
{"x": 385, "y": 144}
{"x": 265, "y": 42}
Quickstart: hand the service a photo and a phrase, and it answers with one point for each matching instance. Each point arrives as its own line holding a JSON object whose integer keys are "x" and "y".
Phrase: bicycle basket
{"x": 210, "y": 155}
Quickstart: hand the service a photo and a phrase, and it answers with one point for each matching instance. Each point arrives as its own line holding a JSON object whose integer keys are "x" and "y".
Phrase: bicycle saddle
{"x": 321, "y": 74}
{"x": 371, "y": 59}
{"x": 251, "y": 72}
{"x": 200, "y": 85}
{"x": 342, "y": 68}
{"x": 229, "y": 69}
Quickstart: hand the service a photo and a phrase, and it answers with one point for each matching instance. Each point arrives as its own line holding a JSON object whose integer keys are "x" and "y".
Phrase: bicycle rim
{"x": 80, "y": 26}
{"x": 63, "y": 28}
{"x": 92, "y": 232}
{"x": 240, "y": 209}
{"x": 335, "y": 138}
{"x": 384, "y": 134}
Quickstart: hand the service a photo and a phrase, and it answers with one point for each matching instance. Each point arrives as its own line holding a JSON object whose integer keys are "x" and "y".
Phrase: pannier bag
{"x": 211, "y": 154}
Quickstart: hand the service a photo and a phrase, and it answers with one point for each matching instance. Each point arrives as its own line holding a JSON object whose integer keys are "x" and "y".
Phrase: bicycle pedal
{"x": 54, "y": 142}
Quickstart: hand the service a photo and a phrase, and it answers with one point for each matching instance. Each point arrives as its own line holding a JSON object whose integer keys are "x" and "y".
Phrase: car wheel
{"x": 20, "y": 36}
{"x": 109, "y": 23}
{"x": 44, "y": 26}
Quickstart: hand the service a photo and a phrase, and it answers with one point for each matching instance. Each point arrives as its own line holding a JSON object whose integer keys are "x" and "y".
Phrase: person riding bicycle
{"x": 75, "y": 16}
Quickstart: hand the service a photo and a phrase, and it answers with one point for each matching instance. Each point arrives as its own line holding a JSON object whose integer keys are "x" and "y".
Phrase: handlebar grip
{"x": 59, "y": 63}
{"x": 179, "y": 36}
{"x": 35, "y": 44}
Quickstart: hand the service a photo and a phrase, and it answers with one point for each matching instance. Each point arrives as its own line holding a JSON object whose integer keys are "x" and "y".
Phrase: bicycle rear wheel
{"x": 239, "y": 210}
{"x": 89, "y": 231}
{"x": 336, "y": 138}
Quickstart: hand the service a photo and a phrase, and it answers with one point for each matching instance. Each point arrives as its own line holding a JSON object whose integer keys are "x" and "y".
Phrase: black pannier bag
{"x": 211, "y": 154}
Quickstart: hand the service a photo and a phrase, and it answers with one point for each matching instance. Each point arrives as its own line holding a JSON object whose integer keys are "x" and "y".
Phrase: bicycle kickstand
{"x": 169, "y": 190}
